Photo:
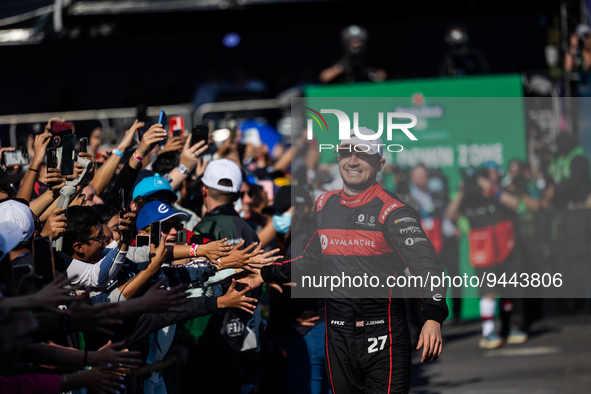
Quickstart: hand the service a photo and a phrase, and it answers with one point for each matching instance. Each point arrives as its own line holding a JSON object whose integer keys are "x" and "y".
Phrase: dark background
{"x": 159, "y": 58}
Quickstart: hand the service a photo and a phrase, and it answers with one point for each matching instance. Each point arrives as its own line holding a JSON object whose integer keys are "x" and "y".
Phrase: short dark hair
{"x": 222, "y": 196}
{"x": 80, "y": 222}
{"x": 256, "y": 193}
{"x": 106, "y": 212}
{"x": 166, "y": 162}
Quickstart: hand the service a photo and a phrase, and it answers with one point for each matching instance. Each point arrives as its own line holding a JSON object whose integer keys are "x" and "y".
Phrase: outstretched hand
{"x": 237, "y": 299}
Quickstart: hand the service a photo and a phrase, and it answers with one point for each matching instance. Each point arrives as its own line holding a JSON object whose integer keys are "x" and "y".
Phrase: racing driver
{"x": 363, "y": 229}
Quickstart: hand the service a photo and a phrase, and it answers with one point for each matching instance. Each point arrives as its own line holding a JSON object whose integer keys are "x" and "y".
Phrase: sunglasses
{"x": 166, "y": 227}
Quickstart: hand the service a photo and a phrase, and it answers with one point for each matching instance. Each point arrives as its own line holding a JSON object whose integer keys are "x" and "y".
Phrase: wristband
{"x": 219, "y": 264}
{"x": 193, "y": 251}
{"x": 117, "y": 152}
{"x": 34, "y": 170}
{"x": 137, "y": 156}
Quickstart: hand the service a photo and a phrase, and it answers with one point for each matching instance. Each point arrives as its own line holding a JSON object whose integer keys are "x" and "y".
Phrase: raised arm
{"x": 107, "y": 171}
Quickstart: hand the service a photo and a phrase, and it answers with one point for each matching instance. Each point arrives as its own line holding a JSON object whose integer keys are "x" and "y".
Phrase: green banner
{"x": 461, "y": 122}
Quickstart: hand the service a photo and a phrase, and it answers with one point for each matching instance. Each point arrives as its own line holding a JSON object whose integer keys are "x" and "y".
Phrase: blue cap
{"x": 154, "y": 184}
{"x": 490, "y": 164}
{"x": 157, "y": 211}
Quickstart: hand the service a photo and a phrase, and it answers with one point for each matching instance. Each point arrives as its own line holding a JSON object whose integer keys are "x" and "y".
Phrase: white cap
{"x": 18, "y": 213}
{"x": 356, "y": 144}
{"x": 10, "y": 236}
{"x": 223, "y": 169}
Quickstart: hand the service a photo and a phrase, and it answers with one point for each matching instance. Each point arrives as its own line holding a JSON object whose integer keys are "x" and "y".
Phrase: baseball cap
{"x": 371, "y": 147}
{"x": 154, "y": 184}
{"x": 10, "y": 236}
{"x": 301, "y": 196}
{"x": 7, "y": 179}
{"x": 281, "y": 202}
{"x": 18, "y": 213}
{"x": 157, "y": 211}
{"x": 223, "y": 169}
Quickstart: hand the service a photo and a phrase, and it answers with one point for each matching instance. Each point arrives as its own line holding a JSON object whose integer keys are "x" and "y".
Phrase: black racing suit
{"x": 367, "y": 338}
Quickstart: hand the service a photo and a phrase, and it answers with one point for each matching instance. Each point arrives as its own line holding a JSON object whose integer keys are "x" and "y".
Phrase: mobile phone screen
{"x": 142, "y": 240}
{"x": 155, "y": 233}
{"x": 121, "y": 203}
{"x": 51, "y": 157}
{"x": 84, "y": 145}
{"x": 44, "y": 262}
{"x": 59, "y": 130}
{"x": 68, "y": 154}
{"x": 197, "y": 239}
{"x": 200, "y": 133}
{"x": 162, "y": 121}
{"x": 181, "y": 237}
{"x": 15, "y": 158}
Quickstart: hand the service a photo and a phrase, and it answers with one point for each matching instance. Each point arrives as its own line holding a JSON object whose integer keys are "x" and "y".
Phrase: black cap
{"x": 7, "y": 179}
{"x": 282, "y": 200}
{"x": 301, "y": 196}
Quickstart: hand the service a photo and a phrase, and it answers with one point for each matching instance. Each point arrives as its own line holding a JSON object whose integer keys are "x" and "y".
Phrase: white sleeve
{"x": 219, "y": 276}
{"x": 99, "y": 274}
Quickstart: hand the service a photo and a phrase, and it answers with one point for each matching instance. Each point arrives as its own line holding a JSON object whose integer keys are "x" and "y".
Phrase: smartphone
{"x": 162, "y": 121}
{"x": 84, "y": 145}
{"x": 51, "y": 157}
{"x": 68, "y": 154}
{"x": 16, "y": 157}
{"x": 121, "y": 203}
{"x": 196, "y": 239}
{"x": 59, "y": 130}
{"x": 177, "y": 126}
{"x": 43, "y": 256}
{"x": 155, "y": 234}
{"x": 200, "y": 133}
{"x": 142, "y": 240}
{"x": 181, "y": 237}
{"x": 19, "y": 271}
{"x": 233, "y": 132}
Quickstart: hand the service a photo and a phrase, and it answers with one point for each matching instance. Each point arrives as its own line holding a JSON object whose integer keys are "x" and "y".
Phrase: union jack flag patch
{"x": 359, "y": 324}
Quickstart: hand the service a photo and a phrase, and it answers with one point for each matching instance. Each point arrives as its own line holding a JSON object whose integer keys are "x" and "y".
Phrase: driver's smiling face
{"x": 358, "y": 169}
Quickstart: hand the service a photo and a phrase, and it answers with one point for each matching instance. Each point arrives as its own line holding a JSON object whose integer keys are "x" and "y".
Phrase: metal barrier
{"x": 102, "y": 115}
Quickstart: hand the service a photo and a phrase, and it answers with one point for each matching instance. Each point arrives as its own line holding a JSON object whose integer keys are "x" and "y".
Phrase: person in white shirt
{"x": 85, "y": 242}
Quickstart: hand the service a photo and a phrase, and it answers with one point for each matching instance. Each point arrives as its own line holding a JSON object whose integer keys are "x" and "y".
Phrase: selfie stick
{"x": 68, "y": 191}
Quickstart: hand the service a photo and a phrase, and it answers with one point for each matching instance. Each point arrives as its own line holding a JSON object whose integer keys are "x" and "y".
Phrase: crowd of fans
{"x": 89, "y": 303}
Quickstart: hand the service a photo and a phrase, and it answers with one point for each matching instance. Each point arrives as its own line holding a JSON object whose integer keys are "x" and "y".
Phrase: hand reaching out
{"x": 164, "y": 301}
{"x": 190, "y": 154}
{"x": 154, "y": 135}
{"x": 239, "y": 258}
{"x": 215, "y": 250}
{"x": 237, "y": 299}
{"x": 39, "y": 148}
{"x": 127, "y": 141}
{"x": 88, "y": 317}
{"x": 54, "y": 294}
{"x": 260, "y": 259}
{"x": 108, "y": 354}
{"x": 173, "y": 144}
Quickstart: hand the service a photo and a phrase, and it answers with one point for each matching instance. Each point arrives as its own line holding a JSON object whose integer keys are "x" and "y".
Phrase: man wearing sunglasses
{"x": 170, "y": 222}
{"x": 85, "y": 242}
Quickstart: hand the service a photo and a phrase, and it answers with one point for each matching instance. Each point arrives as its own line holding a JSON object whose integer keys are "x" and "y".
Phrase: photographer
{"x": 352, "y": 66}
{"x": 490, "y": 210}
